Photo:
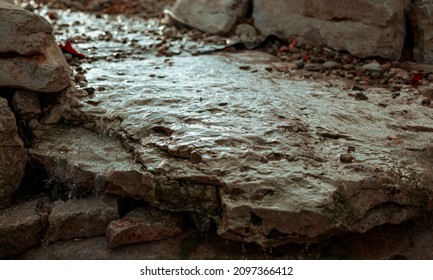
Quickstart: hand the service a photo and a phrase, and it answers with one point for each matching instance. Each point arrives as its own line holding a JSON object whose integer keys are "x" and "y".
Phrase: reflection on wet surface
{"x": 272, "y": 144}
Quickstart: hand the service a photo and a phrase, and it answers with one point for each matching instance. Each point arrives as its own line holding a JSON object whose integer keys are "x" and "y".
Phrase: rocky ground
{"x": 331, "y": 152}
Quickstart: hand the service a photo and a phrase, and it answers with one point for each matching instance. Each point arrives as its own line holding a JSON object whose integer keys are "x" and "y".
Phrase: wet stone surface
{"x": 257, "y": 152}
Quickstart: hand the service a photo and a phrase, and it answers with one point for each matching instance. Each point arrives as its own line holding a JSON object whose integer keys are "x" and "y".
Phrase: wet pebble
{"x": 426, "y": 102}
{"x": 90, "y": 90}
{"x": 330, "y": 65}
{"x": 347, "y": 158}
{"x": 372, "y": 67}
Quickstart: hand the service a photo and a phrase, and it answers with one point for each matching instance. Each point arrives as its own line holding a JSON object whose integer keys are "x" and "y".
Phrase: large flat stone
{"x": 12, "y": 155}
{"x": 210, "y": 16}
{"x": 19, "y": 229}
{"x": 274, "y": 160}
{"x": 374, "y": 28}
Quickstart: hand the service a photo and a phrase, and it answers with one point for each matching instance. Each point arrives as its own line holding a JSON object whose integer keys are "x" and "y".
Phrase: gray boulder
{"x": 374, "y": 28}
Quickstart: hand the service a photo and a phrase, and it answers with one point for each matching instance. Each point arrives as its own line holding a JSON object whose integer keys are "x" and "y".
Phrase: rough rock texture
{"x": 87, "y": 162}
{"x": 411, "y": 240}
{"x": 274, "y": 161}
{"x": 422, "y": 23}
{"x": 142, "y": 225}
{"x": 373, "y": 28}
{"x": 210, "y": 16}
{"x": 80, "y": 218}
{"x": 12, "y": 155}
{"x": 29, "y": 56}
{"x": 19, "y": 229}
{"x": 26, "y": 104}
{"x": 23, "y": 32}
{"x": 188, "y": 245}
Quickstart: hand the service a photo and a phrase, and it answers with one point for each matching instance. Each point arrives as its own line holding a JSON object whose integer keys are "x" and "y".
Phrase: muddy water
{"x": 270, "y": 141}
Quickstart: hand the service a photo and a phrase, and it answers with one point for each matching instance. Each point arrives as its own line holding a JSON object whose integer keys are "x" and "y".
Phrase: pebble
{"x": 372, "y": 67}
{"x": 313, "y": 67}
{"x": 347, "y": 158}
{"x": 330, "y": 65}
{"x": 300, "y": 63}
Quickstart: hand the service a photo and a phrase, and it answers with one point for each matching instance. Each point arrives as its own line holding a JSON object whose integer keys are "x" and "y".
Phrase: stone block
{"x": 80, "y": 218}
{"x": 19, "y": 229}
{"x": 143, "y": 225}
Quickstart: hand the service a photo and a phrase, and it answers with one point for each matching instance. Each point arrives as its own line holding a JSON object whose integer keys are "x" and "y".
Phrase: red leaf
{"x": 67, "y": 48}
{"x": 417, "y": 78}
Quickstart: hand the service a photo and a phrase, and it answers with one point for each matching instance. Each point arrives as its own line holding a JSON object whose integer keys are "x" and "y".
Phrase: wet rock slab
{"x": 142, "y": 225}
{"x": 274, "y": 160}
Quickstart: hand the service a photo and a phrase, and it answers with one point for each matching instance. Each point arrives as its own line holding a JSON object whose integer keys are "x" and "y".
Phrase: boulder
{"x": 80, "y": 218}
{"x": 421, "y": 16}
{"x": 210, "y": 16}
{"x": 29, "y": 56}
{"x": 374, "y": 28}
{"x": 142, "y": 225}
{"x": 13, "y": 155}
{"x": 23, "y": 32}
{"x": 19, "y": 229}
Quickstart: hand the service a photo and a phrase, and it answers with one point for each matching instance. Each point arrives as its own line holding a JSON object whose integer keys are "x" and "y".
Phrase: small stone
{"x": 361, "y": 96}
{"x": 351, "y": 149}
{"x": 357, "y": 88}
{"x": 372, "y": 67}
{"x": 90, "y": 90}
{"x": 426, "y": 102}
{"x": 347, "y": 158}
{"x": 330, "y": 65}
{"x": 245, "y": 67}
{"x": 313, "y": 67}
{"x": 300, "y": 63}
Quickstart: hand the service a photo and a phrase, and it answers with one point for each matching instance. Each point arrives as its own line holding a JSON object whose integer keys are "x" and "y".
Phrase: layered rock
{"x": 372, "y": 29}
{"x": 29, "y": 56}
{"x": 12, "y": 155}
